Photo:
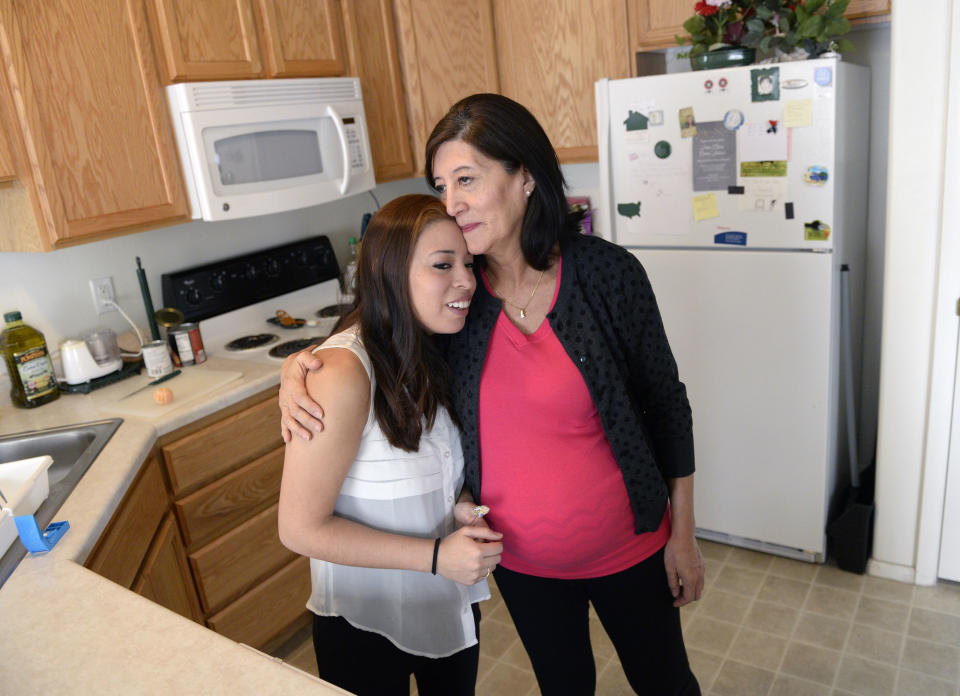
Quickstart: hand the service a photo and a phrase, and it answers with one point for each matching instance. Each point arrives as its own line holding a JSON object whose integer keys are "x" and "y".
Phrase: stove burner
{"x": 297, "y": 344}
{"x": 334, "y": 310}
{"x": 250, "y": 342}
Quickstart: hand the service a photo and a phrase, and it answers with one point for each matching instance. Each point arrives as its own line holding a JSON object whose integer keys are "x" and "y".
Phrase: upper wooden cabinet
{"x": 551, "y": 53}
{"x": 372, "y": 56}
{"x": 236, "y": 39}
{"x": 8, "y": 169}
{"x": 447, "y": 52}
{"x": 90, "y": 129}
{"x": 655, "y": 23}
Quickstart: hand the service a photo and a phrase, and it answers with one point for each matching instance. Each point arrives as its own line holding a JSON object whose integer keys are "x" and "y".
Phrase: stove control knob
{"x": 217, "y": 280}
{"x": 302, "y": 258}
{"x": 251, "y": 271}
{"x": 272, "y": 266}
{"x": 193, "y": 296}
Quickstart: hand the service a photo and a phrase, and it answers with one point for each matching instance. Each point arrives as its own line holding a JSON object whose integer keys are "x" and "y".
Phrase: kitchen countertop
{"x": 69, "y": 630}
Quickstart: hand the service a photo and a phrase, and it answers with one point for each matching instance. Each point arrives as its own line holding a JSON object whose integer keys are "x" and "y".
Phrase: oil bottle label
{"x": 36, "y": 372}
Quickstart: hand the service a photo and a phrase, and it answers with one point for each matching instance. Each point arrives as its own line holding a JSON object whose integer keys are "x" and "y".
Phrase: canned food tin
{"x": 196, "y": 342}
{"x": 180, "y": 347}
{"x": 186, "y": 345}
{"x": 156, "y": 358}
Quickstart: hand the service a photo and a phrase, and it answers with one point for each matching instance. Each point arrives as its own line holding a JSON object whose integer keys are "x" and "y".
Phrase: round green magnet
{"x": 662, "y": 149}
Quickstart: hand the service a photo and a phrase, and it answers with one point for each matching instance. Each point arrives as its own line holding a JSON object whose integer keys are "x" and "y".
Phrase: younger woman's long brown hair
{"x": 412, "y": 375}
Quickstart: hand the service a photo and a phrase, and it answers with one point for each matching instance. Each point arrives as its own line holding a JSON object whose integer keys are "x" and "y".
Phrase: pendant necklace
{"x": 523, "y": 310}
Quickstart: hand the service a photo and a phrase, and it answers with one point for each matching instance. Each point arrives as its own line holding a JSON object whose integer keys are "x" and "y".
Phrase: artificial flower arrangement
{"x": 774, "y": 28}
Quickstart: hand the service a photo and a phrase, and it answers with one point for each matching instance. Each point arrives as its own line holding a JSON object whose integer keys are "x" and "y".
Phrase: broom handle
{"x": 848, "y": 375}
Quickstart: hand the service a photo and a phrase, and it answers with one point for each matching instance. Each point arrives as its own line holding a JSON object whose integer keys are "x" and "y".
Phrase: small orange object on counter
{"x": 163, "y": 395}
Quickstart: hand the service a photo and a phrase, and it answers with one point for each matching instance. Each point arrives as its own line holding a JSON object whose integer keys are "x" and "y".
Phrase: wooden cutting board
{"x": 192, "y": 383}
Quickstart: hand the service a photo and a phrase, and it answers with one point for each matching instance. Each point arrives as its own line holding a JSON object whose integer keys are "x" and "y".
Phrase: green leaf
{"x": 845, "y": 46}
{"x": 802, "y": 14}
{"x": 764, "y": 13}
{"x": 810, "y": 28}
{"x": 837, "y": 8}
{"x": 765, "y": 44}
{"x": 751, "y": 39}
{"x": 812, "y": 6}
{"x": 755, "y": 25}
{"x": 694, "y": 25}
{"x": 836, "y": 27}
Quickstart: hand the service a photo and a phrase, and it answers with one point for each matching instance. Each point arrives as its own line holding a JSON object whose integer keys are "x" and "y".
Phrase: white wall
{"x": 920, "y": 56}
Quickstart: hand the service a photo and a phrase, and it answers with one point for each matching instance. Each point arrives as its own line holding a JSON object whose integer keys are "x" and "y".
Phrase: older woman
{"x": 577, "y": 432}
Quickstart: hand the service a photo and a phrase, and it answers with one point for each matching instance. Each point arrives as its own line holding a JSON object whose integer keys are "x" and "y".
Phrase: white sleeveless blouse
{"x": 410, "y": 493}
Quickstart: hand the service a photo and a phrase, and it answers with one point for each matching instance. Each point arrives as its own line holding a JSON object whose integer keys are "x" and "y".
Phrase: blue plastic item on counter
{"x": 35, "y": 540}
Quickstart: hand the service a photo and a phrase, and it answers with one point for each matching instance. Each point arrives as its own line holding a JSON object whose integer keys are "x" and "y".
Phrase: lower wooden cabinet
{"x": 165, "y": 578}
{"x": 198, "y": 535}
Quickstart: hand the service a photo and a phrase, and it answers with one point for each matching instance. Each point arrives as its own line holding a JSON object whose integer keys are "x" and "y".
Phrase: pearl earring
{"x": 529, "y": 192}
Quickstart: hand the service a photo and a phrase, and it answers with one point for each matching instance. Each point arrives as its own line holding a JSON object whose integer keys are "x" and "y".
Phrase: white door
{"x": 950, "y": 536}
{"x": 752, "y": 335}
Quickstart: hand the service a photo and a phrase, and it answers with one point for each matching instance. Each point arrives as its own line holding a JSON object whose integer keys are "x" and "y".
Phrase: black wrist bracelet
{"x": 436, "y": 550}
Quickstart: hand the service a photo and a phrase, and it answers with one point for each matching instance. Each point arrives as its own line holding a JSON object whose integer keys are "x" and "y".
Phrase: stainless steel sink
{"x": 73, "y": 448}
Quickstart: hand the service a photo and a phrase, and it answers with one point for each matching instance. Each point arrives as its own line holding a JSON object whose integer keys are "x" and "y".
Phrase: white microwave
{"x": 252, "y": 147}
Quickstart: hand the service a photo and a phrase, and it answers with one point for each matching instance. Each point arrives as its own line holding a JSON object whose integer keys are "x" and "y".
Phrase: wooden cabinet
{"x": 165, "y": 578}
{"x": 447, "y": 52}
{"x": 91, "y": 131}
{"x": 122, "y": 547}
{"x": 225, "y": 475}
{"x": 655, "y": 23}
{"x": 551, "y": 53}
{"x": 236, "y": 39}
{"x": 231, "y": 572}
{"x": 372, "y": 56}
{"x": 8, "y": 169}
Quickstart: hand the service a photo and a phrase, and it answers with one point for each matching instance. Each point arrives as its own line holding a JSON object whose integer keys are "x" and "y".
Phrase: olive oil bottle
{"x": 28, "y": 364}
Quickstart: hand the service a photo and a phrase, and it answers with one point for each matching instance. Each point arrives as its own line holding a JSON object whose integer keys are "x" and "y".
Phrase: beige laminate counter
{"x": 67, "y": 630}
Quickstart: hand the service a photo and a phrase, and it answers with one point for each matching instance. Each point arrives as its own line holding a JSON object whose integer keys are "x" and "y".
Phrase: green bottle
{"x": 28, "y": 364}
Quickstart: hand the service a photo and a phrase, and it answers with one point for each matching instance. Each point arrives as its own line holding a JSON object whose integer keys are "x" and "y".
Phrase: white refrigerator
{"x": 743, "y": 193}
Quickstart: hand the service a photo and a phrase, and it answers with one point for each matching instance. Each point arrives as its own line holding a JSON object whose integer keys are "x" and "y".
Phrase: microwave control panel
{"x": 354, "y": 142}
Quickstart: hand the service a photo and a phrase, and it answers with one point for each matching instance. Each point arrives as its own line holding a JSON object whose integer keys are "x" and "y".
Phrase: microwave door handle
{"x": 338, "y": 124}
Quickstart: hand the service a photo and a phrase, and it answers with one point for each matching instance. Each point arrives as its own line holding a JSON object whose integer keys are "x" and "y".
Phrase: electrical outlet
{"x": 102, "y": 289}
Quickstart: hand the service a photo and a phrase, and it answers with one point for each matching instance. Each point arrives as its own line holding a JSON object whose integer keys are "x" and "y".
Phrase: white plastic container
{"x": 25, "y": 485}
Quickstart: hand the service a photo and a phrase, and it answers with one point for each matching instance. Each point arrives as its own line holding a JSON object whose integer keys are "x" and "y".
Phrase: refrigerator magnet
{"x": 734, "y": 238}
{"x": 656, "y": 118}
{"x": 788, "y": 211}
{"x": 636, "y": 125}
{"x": 823, "y": 76}
{"x": 733, "y": 119}
{"x": 816, "y": 231}
{"x": 688, "y": 124}
{"x": 662, "y": 149}
{"x": 816, "y": 175}
{"x": 765, "y": 84}
{"x": 629, "y": 210}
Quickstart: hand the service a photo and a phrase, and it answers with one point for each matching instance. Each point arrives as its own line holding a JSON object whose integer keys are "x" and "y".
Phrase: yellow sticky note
{"x": 705, "y": 206}
{"x": 798, "y": 113}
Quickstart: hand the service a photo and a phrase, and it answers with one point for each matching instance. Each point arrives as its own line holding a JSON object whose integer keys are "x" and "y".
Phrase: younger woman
{"x": 371, "y": 499}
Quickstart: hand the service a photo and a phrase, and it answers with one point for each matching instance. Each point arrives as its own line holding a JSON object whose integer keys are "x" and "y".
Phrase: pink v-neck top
{"x": 549, "y": 476}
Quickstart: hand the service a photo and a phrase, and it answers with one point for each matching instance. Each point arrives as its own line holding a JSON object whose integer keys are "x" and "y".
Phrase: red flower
{"x": 705, "y": 10}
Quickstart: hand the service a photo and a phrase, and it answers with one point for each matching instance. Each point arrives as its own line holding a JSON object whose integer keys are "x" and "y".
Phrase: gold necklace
{"x": 523, "y": 310}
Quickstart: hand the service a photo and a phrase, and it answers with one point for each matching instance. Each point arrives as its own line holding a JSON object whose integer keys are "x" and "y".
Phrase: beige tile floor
{"x": 768, "y": 626}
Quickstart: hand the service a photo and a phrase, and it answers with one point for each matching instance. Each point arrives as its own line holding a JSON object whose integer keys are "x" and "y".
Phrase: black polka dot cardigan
{"x": 607, "y": 320}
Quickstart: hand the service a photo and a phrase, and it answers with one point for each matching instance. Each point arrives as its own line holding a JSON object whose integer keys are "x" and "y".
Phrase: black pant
{"x": 367, "y": 664}
{"x": 636, "y": 609}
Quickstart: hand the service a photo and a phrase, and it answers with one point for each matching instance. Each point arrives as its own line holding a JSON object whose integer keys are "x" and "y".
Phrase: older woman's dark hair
{"x": 505, "y": 131}
{"x": 412, "y": 378}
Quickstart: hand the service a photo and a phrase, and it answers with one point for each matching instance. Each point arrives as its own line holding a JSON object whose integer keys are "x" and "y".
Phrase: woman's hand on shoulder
{"x": 686, "y": 570}
{"x": 469, "y": 554}
{"x": 299, "y": 414}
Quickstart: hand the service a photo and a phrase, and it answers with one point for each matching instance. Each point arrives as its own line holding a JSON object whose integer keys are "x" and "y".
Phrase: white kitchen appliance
{"x": 235, "y": 300}
{"x": 252, "y": 147}
{"x": 743, "y": 191}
